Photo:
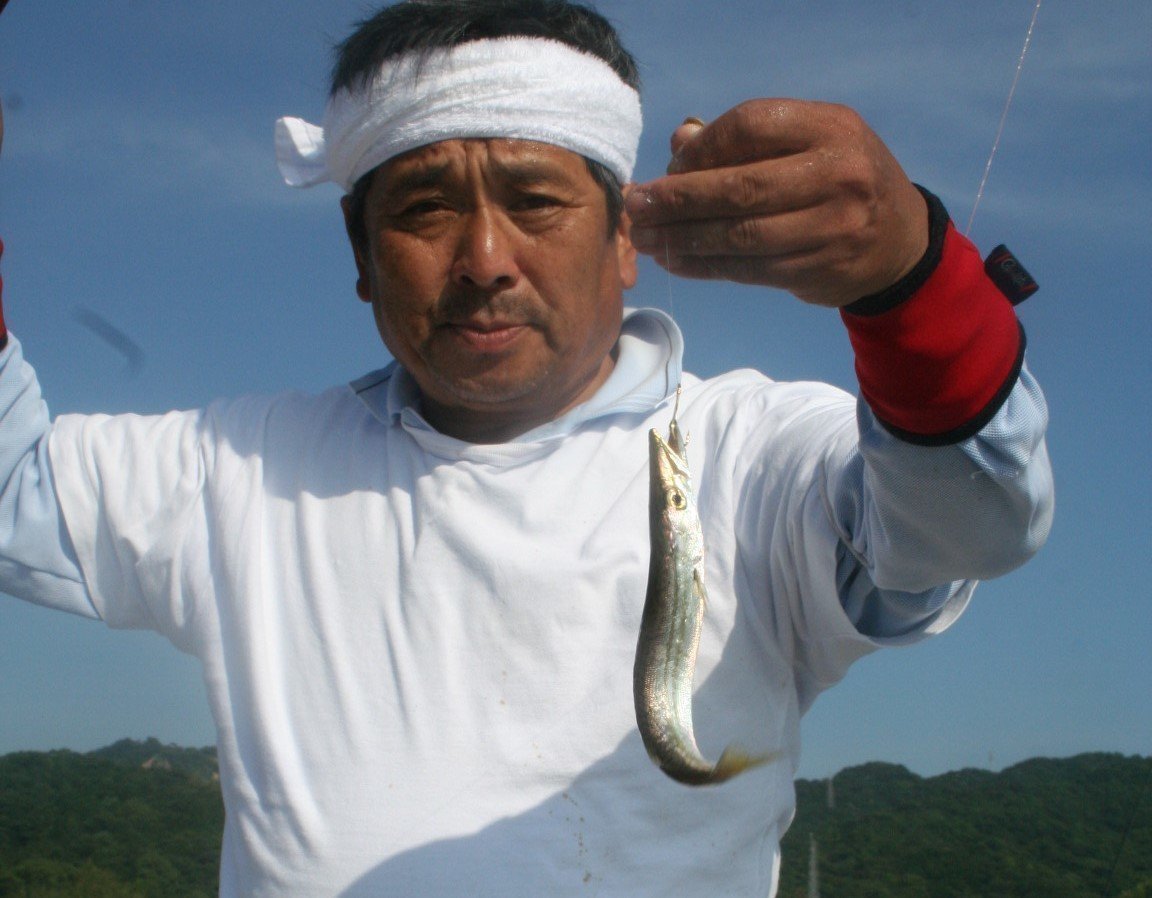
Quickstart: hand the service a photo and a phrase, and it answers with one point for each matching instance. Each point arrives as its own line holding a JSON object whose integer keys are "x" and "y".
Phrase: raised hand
{"x": 784, "y": 193}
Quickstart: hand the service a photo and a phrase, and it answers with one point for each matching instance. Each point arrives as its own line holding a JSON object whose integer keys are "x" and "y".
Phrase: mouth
{"x": 486, "y": 336}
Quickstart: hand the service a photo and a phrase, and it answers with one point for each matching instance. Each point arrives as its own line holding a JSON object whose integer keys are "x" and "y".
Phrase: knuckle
{"x": 857, "y": 176}
{"x": 846, "y": 118}
{"x": 851, "y": 229}
{"x": 750, "y": 112}
{"x": 770, "y": 120}
{"x": 743, "y": 188}
{"x": 744, "y": 234}
{"x": 675, "y": 203}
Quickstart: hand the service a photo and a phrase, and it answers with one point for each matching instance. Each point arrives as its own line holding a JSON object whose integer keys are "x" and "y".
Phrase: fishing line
{"x": 671, "y": 310}
{"x": 1003, "y": 116}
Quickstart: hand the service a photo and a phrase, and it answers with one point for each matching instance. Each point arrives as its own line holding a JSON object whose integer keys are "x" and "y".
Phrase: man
{"x": 416, "y": 601}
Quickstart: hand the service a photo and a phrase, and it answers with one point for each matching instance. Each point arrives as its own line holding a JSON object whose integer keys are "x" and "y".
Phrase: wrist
{"x": 903, "y": 289}
{"x": 938, "y": 352}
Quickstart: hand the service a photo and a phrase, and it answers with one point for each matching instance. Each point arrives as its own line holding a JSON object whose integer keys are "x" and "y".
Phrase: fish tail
{"x": 736, "y": 760}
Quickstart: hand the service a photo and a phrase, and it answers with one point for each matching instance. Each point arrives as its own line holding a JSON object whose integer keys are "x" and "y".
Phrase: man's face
{"x": 494, "y": 280}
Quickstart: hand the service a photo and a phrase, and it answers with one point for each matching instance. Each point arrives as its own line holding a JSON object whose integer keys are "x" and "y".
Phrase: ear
{"x": 362, "y": 267}
{"x": 625, "y": 251}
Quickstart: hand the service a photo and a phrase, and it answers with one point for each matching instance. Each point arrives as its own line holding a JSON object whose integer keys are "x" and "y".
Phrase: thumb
{"x": 681, "y": 137}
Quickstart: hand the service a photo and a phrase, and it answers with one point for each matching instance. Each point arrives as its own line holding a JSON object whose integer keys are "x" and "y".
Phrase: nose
{"x": 485, "y": 256}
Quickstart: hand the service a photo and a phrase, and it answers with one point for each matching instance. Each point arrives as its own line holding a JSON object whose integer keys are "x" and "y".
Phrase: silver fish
{"x": 670, "y": 626}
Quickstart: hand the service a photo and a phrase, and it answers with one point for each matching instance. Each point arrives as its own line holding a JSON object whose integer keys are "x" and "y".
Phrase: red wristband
{"x": 937, "y": 365}
{"x": 3, "y": 328}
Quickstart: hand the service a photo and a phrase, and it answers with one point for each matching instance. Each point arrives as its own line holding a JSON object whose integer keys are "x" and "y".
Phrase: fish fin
{"x": 701, "y": 589}
{"x": 735, "y": 760}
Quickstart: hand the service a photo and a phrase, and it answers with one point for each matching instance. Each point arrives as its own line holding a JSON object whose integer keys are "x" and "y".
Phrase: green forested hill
{"x": 144, "y": 820}
{"x": 200, "y": 763}
{"x": 128, "y": 821}
{"x": 1071, "y": 828}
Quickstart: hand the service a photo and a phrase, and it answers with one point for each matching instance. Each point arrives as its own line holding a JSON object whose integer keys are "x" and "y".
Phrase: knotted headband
{"x": 526, "y": 88}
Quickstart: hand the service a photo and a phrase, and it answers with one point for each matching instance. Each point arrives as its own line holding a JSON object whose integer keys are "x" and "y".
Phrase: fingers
{"x": 783, "y": 193}
{"x": 807, "y": 276}
{"x": 773, "y": 208}
{"x": 757, "y": 129}
{"x": 764, "y": 156}
{"x": 682, "y": 135}
{"x": 769, "y": 237}
{"x": 829, "y": 253}
{"x": 794, "y": 253}
{"x": 769, "y": 187}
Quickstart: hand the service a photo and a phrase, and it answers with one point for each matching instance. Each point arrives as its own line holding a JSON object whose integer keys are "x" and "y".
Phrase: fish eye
{"x": 678, "y": 501}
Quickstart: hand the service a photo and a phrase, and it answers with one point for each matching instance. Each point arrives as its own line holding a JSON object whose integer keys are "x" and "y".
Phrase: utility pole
{"x": 813, "y": 868}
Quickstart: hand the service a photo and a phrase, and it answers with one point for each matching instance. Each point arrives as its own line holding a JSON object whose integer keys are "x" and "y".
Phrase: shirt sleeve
{"x": 952, "y": 481}
{"x": 37, "y": 559}
{"x": 131, "y": 491}
{"x": 921, "y": 524}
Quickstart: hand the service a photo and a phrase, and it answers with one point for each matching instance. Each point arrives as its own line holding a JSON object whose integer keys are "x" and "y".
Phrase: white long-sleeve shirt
{"x": 418, "y": 651}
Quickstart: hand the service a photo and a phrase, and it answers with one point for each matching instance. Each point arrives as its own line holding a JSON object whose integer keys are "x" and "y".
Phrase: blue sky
{"x": 137, "y": 180}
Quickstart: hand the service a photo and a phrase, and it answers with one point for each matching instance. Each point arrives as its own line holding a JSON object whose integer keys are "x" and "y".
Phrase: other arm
{"x": 37, "y": 560}
{"x": 951, "y": 481}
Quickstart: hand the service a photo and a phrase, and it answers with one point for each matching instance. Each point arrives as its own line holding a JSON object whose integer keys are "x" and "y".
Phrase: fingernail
{"x": 679, "y": 141}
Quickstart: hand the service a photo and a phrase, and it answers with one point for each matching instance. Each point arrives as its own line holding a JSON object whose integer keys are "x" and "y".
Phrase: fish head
{"x": 669, "y": 480}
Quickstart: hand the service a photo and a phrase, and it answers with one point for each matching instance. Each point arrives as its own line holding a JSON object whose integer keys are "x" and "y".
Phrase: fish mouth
{"x": 672, "y": 466}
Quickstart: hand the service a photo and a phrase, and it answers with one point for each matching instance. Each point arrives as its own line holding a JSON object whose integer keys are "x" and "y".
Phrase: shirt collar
{"x": 649, "y": 359}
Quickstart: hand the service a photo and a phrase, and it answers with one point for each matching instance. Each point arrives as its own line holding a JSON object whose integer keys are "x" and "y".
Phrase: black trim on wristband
{"x": 977, "y": 423}
{"x": 903, "y": 289}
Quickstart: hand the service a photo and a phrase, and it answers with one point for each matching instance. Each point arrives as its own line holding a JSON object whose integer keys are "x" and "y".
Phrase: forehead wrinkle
{"x": 532, "y": 161}
{"x": 413, "y": 174}
{"x": 527, "y": 172}
{"x": 519, "y": 162}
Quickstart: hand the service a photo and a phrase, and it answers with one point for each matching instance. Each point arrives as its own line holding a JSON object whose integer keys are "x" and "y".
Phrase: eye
{"x": 423, "y": 207}
{"x": 535, "y": 202}
{"x": 677, "y": 500}
{"x": 418, "y": 215}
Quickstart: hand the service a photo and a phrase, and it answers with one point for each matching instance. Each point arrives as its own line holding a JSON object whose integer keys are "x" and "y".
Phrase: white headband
{"x": 526, "y": 88}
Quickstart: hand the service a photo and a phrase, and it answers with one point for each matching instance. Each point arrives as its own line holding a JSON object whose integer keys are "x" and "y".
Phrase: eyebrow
{"x": 416, "y": 178}
{"x": 519, "y": 171}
